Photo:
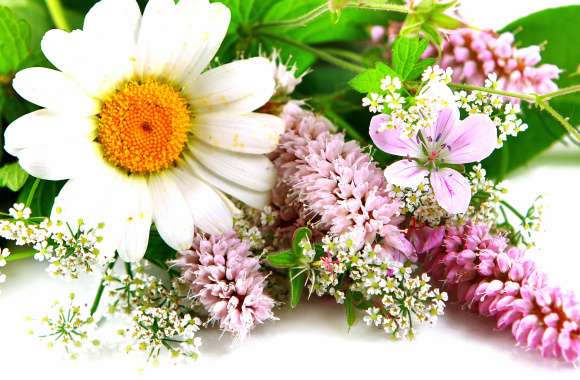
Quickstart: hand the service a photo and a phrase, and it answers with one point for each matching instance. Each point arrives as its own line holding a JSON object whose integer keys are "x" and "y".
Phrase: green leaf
{"x": 158, "y": 252}
{"x": 370, "y": 80}
{"x": 14, "y": 41}
{"x": 349, "y": 308}
{"x": 419, "y": 67}
{"x": 297, "y": 278}
{"x": 285, "y": 259}
{"x": 36, "y": 15}
{"x": 557, "y": 30}
{"x": 12, "y": 176}
{"x": 406, "y": 53}
{"x": 300, "y": 234}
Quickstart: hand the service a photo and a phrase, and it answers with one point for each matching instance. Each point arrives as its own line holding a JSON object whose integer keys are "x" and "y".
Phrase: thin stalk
{"x": 463, "y": 86}
{"x": 561, "y": 92}
{"x": 101, "y": 288}
{"x": 513, "y": 210}
{"x": 32, "y": 192}
{"x": 561, "y": 119}
{"x": 327, "y": 57}
{"x": 345, "y": 54}
{"x": 378, "y": 5}
{"x": 22, "y": 255}
{"x": 56, "y": 11}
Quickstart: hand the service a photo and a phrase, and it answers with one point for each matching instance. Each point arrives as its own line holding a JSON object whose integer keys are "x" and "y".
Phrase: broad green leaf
{"x": 420, "y": 67}
{"x": 406, "y": 53}
{"x": 12, "y": 176}
{"x": 158, "y": 252}
{"x": 557, "y": 30}
{"x": 285, "y": 259}
{"x": 36, "y": 15}
{"x": 297, "y": 278}
{"x": 14, "y": 41}
{"x": 349, "y": 309}
{"x": 370, "y": 80}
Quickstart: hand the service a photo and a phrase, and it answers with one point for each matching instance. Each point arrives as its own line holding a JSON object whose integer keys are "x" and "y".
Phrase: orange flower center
{"x": 143, "y": 126}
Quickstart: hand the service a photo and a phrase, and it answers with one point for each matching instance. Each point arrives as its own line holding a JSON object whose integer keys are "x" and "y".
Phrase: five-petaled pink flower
{"x": 447, "y": 143}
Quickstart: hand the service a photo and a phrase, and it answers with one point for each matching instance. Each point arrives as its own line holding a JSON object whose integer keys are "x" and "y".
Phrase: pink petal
{"x": 390, "y": 140}
{"x": 445, "y": 125}
{"x": 405, "y": 173}
{"x": 452, "y": 190}
{"x": 475, "y": 140}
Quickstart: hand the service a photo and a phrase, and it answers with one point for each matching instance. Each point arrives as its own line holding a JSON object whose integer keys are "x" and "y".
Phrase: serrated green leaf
{"x": 36, "y": 15}
{"x": 285, "y": 259}
{"x": 420, "y": 67}
{"x": 406, "y": 53}
{"x": 12, "y": 176}
{"x": 297, "y": 278}
{"x": 370, "y": 80}
{"x": 556, "y": 30}
{"x": 349, "y": 309}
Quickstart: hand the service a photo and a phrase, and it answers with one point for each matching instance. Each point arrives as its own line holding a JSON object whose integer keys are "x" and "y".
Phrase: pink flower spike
{"x": 475, "y": 139}
{"x": 451, "y": 189}
{"x": 406, "y": 173}
{"x": 390, "y": 140}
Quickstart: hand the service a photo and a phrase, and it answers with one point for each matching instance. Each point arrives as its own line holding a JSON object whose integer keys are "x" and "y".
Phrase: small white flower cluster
{"x": 437, "y": 74}
{"x": 531, "y": 224}
{"x": 158, "y": 328}
{"x": 4, "y": 253}
{"x": 68, "y": 252}
{"x": 419, "y": 202}
{"x": 391, "y": 97}
{"x": 393, "y": 297}
{"x": 250, "y": 223}
{"x": 485, "y": 200}
{"x": 502, "y": 112}
{"x": 71, "y": 327}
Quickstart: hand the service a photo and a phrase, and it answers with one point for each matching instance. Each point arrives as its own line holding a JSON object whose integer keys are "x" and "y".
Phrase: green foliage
{"x": 297, "y": 281}
{"x": 558, "y": 29}
{"x": 284, "y": 259}
{"x": 14, "y": 41}
{"x": 41, "y": 195}
{"x": 12, "y": 176}
{"x": 406, "y": 54}
{"x": 158, "y": 252}
{"x": 349, "y": 308}
{"x": 428, "y": 17}
{"x": 370, "y": 80}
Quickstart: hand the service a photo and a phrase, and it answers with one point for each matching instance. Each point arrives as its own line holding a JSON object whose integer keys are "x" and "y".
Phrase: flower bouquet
{"x": 214, "y": 162}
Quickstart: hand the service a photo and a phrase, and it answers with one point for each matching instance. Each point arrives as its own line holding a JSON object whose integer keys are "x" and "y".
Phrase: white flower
{"x": 374, "y": 101}
{"x": 141, "y": 132}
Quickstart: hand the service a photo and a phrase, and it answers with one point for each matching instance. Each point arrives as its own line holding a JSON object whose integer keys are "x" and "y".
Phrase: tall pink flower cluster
{"x": 226, "y": 281}
{"x": 489, "y": 277}
{"x": 474, "y": 54}
{"x": 337, "y": 184}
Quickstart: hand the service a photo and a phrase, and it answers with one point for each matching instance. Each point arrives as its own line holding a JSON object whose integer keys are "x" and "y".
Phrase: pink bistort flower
{"x": 448, "y": 141}
{"x": 473, "y": 55}
{"x": 486, "y": 275}
{"x": 226, "y": 281}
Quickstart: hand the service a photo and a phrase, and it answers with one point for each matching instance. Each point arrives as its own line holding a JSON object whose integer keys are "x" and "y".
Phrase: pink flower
{"x": 473, "y": 55}
{"x": 449, "y": 141}
{"x": 226, "y": 281}
{"x": 495, "y": 280}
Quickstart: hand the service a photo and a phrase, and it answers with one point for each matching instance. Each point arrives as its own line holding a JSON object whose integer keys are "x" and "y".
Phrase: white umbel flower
{"x": 140, "y": 131}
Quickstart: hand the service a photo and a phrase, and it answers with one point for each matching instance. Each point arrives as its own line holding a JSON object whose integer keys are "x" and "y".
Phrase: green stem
{"x": 345, "y": 54}
{"x": 101, "y": 288}
{"x": 561, "y": 119}
{"x": 324, "y": 8}
{"x": 32, "y": 192}
{"x": 22, "y": 255}
{"x": 513, "y": 209}
{"x": 561, "y": 92}
{"x": 463, "y": 86}
{"x": 56, "y": 11}
{"x": 319, "y": 53}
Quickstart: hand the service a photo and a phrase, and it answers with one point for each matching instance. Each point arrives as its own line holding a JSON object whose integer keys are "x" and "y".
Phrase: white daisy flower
{"x": 140, "y": 131}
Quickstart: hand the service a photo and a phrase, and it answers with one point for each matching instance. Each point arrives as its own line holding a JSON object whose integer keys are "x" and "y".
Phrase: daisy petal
{"x": 216, "y": 27}
{"x": 390, "y": 140}
{"x": 406, "y": 173}
{"x": 53, "y": 90}
{"x": 43, "y": 127}
{"x": 135, "y": 211}
{"x": 68, "y": 159}
{"x": 255, "y": 172}
{"x": 210, "y": 213}
{"x": 451, "y": 189}
{"x": 256, "y": 199}
{"x": 476, "y": 139}
{"x": 238, "y": 87}
{"x": 116, "y": 20}
{"x": 171, "y": 214}
{"x": 254, "y": 133}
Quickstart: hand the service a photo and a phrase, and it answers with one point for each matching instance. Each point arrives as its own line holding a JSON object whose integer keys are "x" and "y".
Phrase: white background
{"x": 313, "y": 340}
